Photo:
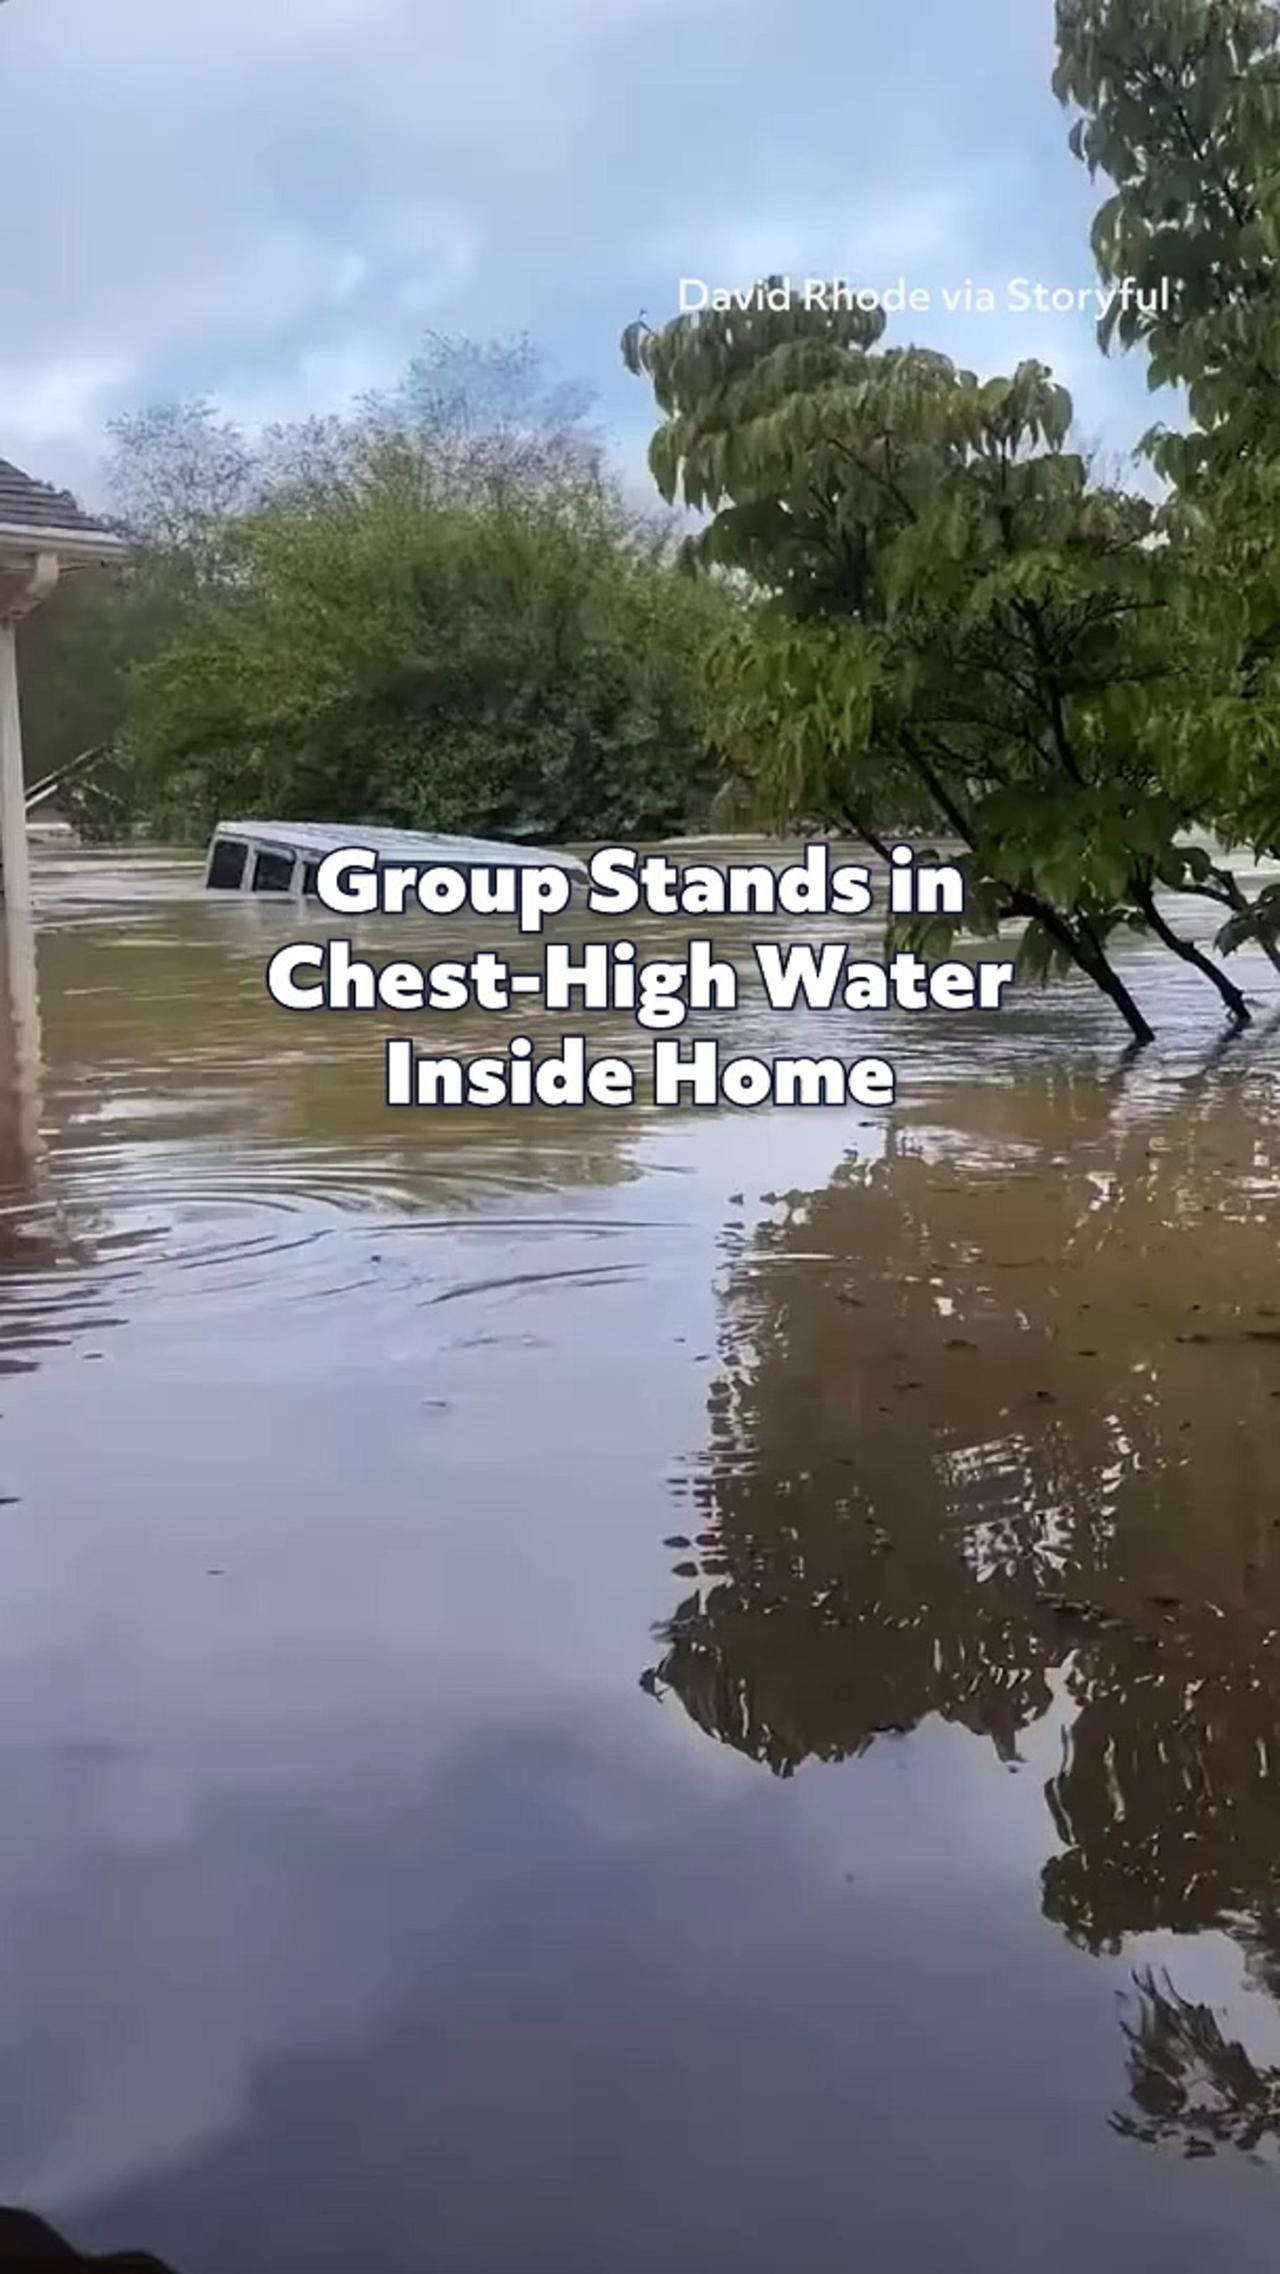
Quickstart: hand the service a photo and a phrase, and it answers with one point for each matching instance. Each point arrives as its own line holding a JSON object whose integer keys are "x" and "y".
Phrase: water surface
{"x": 582, "y": 1691}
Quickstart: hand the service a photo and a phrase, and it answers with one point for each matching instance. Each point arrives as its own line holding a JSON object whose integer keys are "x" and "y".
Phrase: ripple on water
{"x": 352, "y": 1702}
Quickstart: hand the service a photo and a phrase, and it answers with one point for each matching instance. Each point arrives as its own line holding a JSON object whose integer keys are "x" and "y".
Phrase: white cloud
{"x": 330, "y": 378}
{"x": 922, "y": 231}
{"x": 58, "y": 402}
{"x": 264, "y": 199}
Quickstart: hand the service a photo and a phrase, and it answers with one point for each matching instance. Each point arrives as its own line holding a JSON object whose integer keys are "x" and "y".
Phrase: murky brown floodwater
{"x": 583, "y": 1692}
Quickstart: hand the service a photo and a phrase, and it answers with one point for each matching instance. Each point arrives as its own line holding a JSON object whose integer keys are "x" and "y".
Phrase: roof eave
{"x": 87, "y": 545}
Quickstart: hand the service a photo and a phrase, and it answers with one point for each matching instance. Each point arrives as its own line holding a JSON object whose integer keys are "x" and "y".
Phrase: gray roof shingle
{"x": 25, "y": 504}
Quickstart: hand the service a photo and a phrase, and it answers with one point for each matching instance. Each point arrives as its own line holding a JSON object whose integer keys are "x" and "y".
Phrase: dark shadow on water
{"x": 995, "y": 1437}
{"x": 560, "y": 2015}
{"x": 1191, "y": 2085}
{"x": 29, "y": 2246}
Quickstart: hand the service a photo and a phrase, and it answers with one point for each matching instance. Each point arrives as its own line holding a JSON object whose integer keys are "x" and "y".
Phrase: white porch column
{"x": 13, "y": 795}
{"x": 39, "y": 578}
{"x": 17, "y": 928}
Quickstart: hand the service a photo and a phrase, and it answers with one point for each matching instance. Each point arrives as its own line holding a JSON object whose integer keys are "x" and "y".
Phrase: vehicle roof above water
{"x": 409, "y": 845}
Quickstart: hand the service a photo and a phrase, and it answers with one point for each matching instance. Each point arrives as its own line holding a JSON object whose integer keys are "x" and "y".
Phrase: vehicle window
{"x": 273, "y": 872}
{"x": 309, "y": 875}
{"x": 226, "y": 868}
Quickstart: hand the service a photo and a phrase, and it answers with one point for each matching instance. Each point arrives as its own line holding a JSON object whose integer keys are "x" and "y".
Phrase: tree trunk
{"x": 1093, "y": 961}
{"x": 1088, "y": 955}
{"x": 1237, "y": 1008}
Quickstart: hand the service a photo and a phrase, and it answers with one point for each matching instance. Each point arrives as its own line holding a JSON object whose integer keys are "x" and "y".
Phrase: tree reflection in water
{"x": 29, "y": 2246}
{"x": 1191, "y": 2085}
{"x": 997, "y": 1421}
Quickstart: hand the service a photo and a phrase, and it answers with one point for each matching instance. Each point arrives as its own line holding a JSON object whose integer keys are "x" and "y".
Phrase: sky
{"x": 268, "y": 202}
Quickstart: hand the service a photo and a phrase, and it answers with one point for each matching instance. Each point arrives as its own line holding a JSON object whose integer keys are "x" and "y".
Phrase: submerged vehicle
{"x": 284, "y": 856}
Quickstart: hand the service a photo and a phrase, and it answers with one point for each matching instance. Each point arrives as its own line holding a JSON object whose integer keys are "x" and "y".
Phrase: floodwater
{"x": 591, "y": 1691}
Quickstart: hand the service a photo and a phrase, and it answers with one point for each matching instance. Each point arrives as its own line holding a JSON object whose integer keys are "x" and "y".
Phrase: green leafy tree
{"x": 953, "y": 621}
{"x": 178, "y": 472}
{"x": 1179, "y": 109}
{"x": 79, "y": 656}
{"x": 436, "y": 611}
{"x": 528, "y": 668}
{"x": 175, "y": 475}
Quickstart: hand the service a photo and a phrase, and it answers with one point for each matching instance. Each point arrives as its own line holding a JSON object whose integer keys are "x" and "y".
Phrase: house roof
{"x": 31, "y": 511}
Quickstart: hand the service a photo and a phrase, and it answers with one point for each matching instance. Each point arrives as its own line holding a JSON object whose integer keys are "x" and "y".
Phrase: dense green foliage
{"x": 525, "y": 667}
{"x": 75, "y": 657}
{"x": 438, "y": 613}
{"x": 955, "y": 621}
{"x": 955, "y": 617}
{"x": 1180, "y": 110}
